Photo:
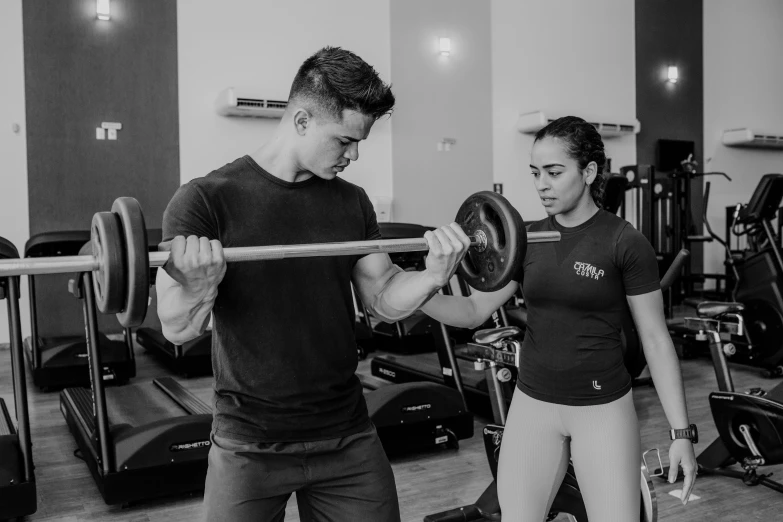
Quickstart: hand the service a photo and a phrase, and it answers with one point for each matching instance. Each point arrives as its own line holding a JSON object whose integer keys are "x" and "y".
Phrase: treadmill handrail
{"x": 20, "y": 386}
{"x": 96, "y": 377}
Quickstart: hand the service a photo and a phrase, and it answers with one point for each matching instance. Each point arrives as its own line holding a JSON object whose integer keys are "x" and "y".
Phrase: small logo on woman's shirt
{"x": 588, "y": 270}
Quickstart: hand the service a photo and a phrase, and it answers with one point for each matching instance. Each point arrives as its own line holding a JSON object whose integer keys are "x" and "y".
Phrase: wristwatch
{"x": 688, "y": 433}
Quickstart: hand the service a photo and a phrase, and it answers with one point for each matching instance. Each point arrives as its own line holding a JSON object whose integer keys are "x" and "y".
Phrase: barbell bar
{"x": 89, "y": 263}
{"x": 119, "y": 258}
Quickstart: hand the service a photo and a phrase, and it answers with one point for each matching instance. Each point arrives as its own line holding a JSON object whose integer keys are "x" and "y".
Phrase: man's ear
{"x": 590, "y": 172}
{"x": 302, "y": 120}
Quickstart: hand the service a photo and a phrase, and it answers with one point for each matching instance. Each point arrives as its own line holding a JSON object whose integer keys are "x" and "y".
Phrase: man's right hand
{"x": 197, "y": 264}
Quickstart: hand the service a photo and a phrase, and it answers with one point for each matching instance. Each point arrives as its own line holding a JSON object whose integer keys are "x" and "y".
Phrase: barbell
{"x": 119, "y": 258}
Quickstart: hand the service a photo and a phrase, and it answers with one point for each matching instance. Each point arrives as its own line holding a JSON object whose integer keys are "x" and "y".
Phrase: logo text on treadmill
{"x": 417, "y": 407}
{"x": 187, "y": 446}
{"x": 387, "y": 372}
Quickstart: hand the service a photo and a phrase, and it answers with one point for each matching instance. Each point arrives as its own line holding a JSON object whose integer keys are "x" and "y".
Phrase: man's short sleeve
{"x": 189, "y": 214}
{"x": 636, "y": 258}
{"x": 371, "y": 229}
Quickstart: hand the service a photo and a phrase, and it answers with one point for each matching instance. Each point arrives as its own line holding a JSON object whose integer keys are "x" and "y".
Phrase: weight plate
{"x": 134, "y": 236}
{"x": 493, "y": 267}
{"x": 109, "y": 278}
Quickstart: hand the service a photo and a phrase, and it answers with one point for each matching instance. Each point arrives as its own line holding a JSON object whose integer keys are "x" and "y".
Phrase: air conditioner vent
{"x": 238, "y": 101}
{"x": 744, "y": 137}
{"x": 250, "y": 103}
{"x": 532, "y": 122}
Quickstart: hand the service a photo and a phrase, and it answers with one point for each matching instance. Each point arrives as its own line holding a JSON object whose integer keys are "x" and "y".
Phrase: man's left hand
{"x": 448, "y": 245}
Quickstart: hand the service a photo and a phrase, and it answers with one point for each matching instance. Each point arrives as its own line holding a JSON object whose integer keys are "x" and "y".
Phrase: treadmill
{"x": 56, "y": 350}
{"x": 192, "y": 359}
{"x": 140, "y": 441}
{"x": 17, "y": 479}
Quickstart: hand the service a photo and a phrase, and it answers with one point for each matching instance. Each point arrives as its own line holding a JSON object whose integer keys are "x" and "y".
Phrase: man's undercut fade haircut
{"x": 583, "y": 143}
{"x": 334, "y": 79}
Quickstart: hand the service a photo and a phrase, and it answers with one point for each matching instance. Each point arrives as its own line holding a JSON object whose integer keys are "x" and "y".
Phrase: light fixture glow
{"x": 673, "y": 74}
{"x": 103, "y": 10}
{"x": 445, "y": 46}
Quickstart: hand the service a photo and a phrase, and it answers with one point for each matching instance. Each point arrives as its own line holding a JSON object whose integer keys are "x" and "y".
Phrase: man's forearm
{"x": 453, "y": 311}
{"x": 183, "y": 316}
{"x": 403, "y": 294}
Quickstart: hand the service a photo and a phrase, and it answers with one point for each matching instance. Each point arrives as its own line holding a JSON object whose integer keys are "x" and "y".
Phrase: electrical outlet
{"x": 497, "y": 187}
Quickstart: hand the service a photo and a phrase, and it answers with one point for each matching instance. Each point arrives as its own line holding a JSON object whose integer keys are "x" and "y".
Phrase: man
{"x": 289, "y": 411}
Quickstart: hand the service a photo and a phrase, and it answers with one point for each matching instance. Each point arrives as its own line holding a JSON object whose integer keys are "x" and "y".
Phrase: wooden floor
{"x": 426, "y": 483}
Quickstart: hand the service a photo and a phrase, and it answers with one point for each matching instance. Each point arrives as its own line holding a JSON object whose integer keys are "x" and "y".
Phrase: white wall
{"x": 243, "y": 42}
{"x": 14, "y": 223}
{"x": 440, "y": 97}
{"x": 569, "y": 57}
{"x": 743, "y": 74}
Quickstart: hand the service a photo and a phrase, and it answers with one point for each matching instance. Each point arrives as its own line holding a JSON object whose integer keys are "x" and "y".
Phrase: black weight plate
{"x": 109, "y": 278}
{"x": 492, "y": 268}
{"x": 134, "y": 235}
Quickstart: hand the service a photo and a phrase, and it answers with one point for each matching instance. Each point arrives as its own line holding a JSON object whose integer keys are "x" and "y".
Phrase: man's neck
{"x": 277, "y": 159}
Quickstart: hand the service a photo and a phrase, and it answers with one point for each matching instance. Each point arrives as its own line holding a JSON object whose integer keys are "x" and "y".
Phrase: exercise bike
{"x": 750, "y": 424}
{"x": 758, "y": 277}
{"x": 497, "y": 352}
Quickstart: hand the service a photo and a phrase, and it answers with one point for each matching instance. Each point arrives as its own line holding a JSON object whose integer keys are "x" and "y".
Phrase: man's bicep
{"x": 370, "y": 275}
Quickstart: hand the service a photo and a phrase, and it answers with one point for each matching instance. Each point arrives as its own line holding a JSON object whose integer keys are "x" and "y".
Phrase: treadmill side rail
{"x": 186, "y": 400}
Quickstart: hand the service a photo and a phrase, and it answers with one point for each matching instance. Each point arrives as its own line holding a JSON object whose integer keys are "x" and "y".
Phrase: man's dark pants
{"x": 347, "y": 479}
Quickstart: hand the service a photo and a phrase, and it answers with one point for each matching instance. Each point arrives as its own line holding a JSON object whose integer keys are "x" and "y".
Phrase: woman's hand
{"x": 681, "y": 454}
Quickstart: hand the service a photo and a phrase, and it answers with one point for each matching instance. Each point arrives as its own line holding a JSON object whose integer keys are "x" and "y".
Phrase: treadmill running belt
{"x": 138, "y": 404}
{"x": 429, "y": 364}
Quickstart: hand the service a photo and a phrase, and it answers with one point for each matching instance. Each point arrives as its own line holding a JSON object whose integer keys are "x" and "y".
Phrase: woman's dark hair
{"x": 582, "y": 143}
{"x": 334, "y": 79}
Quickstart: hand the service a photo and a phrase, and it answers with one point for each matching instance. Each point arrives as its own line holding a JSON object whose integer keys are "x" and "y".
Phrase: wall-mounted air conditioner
{"x": 240, "y": 101}
{"x": 751, "y": 138}
{"x": 532, "y": 122}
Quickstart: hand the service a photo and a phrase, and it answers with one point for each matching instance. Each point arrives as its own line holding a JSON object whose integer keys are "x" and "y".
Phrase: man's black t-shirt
{"x": 284, "y": 351}
{"x": 575, "y": 290}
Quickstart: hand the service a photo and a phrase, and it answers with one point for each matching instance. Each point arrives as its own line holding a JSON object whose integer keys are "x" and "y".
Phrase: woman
{"x": 573, "y": 396}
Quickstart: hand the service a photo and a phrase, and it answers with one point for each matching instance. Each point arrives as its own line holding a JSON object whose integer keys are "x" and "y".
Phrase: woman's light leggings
{"x": 603, "y": 442}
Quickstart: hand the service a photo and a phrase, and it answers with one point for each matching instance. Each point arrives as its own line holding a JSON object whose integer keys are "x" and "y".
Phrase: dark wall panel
{"x": 79, "y": 72}
{"x": 670, "y": 32}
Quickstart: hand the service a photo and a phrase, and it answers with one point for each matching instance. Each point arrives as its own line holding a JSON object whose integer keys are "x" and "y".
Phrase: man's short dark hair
{"x": 334, "y": 79}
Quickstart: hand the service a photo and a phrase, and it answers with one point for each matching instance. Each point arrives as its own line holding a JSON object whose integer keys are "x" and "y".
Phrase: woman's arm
{"x": 468, "y": 312}
{"x": 647, "y": 311}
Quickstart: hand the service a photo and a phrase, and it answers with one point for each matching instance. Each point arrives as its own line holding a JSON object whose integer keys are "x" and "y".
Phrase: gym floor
{"x": 426, "y": 482}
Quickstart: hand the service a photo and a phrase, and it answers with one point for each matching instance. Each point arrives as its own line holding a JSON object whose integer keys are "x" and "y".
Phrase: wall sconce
{"x": 673, "y": 74}
{"x": 445, "y": 46}
{"x": 103, "y": 9}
